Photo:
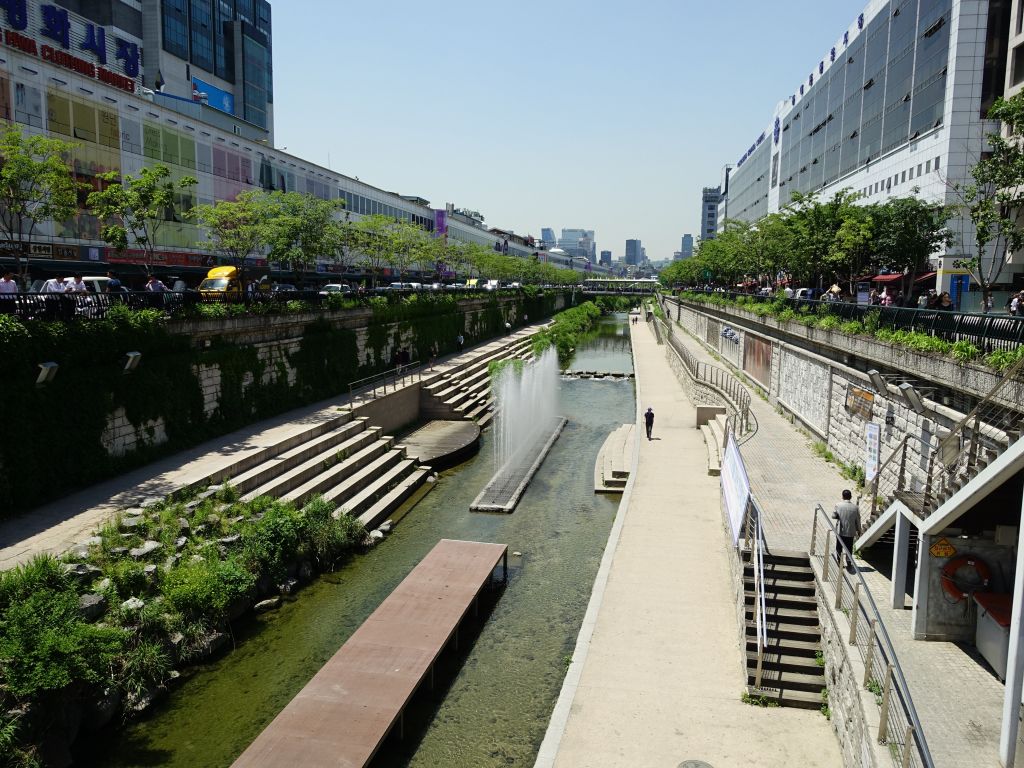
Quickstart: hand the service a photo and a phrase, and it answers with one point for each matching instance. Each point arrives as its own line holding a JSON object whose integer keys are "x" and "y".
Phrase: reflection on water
{"x": 493, "y": 706}
{"x": 606, "y": 348}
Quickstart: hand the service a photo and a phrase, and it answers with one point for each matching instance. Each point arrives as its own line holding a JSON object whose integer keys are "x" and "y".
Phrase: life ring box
{"x": 992, "y": 634}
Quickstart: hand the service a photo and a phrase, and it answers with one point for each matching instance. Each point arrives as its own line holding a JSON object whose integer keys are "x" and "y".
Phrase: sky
{"x": 545, "y": 113}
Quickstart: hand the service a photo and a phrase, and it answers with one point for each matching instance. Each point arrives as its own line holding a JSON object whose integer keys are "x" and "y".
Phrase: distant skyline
{"x": 472, "y": 104}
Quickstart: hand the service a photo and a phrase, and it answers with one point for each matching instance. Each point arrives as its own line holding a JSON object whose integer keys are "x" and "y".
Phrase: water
{"x": 500, "y": 691}
{"x": 606, "y": 349}
{"x": 525, "y": 405}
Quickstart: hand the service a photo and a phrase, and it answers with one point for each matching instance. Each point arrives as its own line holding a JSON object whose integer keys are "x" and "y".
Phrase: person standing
{"x": 113, "y": 284}
{"x": 155, "y": 285}
{"x": 54, "y": 285}
{"x": 848, "y": 516}
{"x": 8, "y": 288}
{"x": 649, "y": 421}
{"x": 459, "y": 341}
{"x": 77, "y": 285}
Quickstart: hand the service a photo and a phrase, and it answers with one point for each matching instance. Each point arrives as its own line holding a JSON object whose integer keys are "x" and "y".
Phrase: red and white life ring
{"x": 950, "y": 570}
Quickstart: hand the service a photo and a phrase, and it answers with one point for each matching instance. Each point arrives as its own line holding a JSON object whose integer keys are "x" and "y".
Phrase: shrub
{"x": 199, "y": 588}
{"x": 271, "y": 542}
{"x": 329, "y": 539}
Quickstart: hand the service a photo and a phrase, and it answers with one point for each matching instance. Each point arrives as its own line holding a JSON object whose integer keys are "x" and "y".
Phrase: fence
{"x": 988, "y": 332}
{"x": 396, "y": 377}
{"x": 899, "y": 727}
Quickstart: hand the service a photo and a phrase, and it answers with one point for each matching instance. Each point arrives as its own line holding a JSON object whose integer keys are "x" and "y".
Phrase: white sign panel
{"x": 872, "y": 449}
{"x": 735, "y": 487}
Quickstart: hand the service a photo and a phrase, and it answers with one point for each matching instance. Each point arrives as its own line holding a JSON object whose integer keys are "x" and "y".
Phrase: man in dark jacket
{"x": 847, "y": 515}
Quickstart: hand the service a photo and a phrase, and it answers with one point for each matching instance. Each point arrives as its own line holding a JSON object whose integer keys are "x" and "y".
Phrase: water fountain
{"x": 526, "y": 426}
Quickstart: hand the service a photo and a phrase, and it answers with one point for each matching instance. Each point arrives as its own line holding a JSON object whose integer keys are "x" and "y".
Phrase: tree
{"x": 238, "y": 229}
{"x": 36, "y": 185}
{"x": 907, "y": 232}
{"x": 373, "y": 242}
{"x": 993, "y": 202}
{"x": 136, "y": 208}
{"x": 303, "y": 229}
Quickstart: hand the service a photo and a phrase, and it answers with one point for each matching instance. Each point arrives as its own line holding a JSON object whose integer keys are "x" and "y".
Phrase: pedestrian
{"x": 848, "y": 515}
{"x": 54, "y": 285}
{"x": 77, "y": 285}
{"x": 155, "y": 285}
{"x": 526, "y": 319}
{"x": 459, "y": 341}
{"x": 508, "y": 327}
{"x": 433, "y": 354}
{"x": 113, "y": 284}
{"x": 649, "y": 421}
{"x": 8, "y": 287}
{"x": 945, "y": 302}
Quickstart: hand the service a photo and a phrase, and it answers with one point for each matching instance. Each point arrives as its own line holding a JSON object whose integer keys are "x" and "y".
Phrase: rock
{"x": 432, "y": 479}
{"x": 92, "y": 606}
{"x": 386, "y": 527}
{"x": 212, "y": 643}
{"x": 173, "y": 678}
{"x": 132, "y": 604}
{"x": 171, "y": 561}
{"x": 151, "y": 501}
{"x": 104, "y": 585}
{"x": 119, "y": 551}
{"x": 268, "y": 605}
{"x": 213, "y": 519}
{"x": 183, "y": 526}
{"x": 150, "y": 572}
{"x": 289, "y": 586}
{"x": 81, "y": 571}
{"x": 147, "y": 548}
{"x": 517, "y": 554}
{"x": 180, "y": 542}
{"x": 228, "y": 541}
{"x": 131, "y": 524}
{"x": 193, "y": 504}
{"x": 102, "y": 709}
{"x": 177, "y": 641}
{"x": 200, "y": 530}
{"x": 376, "y": 536}
{"x": 236, "y": 520}
{"x": 238, "y": 607}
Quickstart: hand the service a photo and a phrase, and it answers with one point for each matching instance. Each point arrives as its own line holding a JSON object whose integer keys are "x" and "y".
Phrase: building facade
{"x": 894, "y": 107}
{"x": 710, "y": 199}
{"x": 686, "y": 251}
{"x": 579, "y": 244}
{"x": 606, "y": 259}
{"x": 79, "y": 77}
{"x": 634, "y": 253}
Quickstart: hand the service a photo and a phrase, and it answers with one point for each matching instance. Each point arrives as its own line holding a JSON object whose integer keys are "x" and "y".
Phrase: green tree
{"x": 134, "y": 209}
{"x": 993, "y": 201}
{"x": 238, "y": 229}
{"x": 373, "y": 242}
{"x": 36, "y": 185}
{"x": 303, "y": 229}
{"x": 907, "y": 232}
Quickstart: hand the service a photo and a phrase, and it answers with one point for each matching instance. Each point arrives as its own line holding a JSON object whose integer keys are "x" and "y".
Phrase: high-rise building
{"x": 579, "y": 243}
{"x": 606, "y": 258}
{"x": 216, "y": 51}
{"x": 892, "y": 108}
{"x": 547, "y": 237}
{"x": 709, "y": 212}
{"x": 686, "y": 251}
{"x": 634, "y": 252}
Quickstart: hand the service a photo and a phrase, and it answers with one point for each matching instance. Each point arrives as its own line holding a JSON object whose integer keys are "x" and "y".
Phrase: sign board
{"x": 942, "y": 548}
{"x": 216, "y": 97}
{"x": 872, "y": 450}
{"x": 859, "y": 401}
{"x": 735, "y": 487}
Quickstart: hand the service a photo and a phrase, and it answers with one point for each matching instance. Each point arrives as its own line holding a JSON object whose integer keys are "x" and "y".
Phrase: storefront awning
{"x": 887, "y": 278}
{"x": 926, "y": 277}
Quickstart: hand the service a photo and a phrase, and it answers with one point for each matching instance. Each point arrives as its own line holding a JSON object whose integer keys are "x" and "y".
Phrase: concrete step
{"x": 382, "y": 483}
{"x": 277, "y": 485}
{"x": 786, "y": 617}
{"x": 784, "y": 587}
{"x": 791, "y": 698}
{"x": 718, "y": 430}
{"x": 786, "y": 632}
{"x": 321, "y": 446}
{"x": 387, "y": 504}
{"x": 780, "y": 557}
{"x": 710, "y": 442}
{"x": 779, "y": 662}
{"x": 788, "y": 681}
{"x": 339, "y": 493}
{"x": 775, "y": 600}
{"x": 478, "y": 410}
{"x": 804, "y": 648}
{"x": 782, "y": 572}
{"x": 486, "y": 418}
{"x": 331, "y": 476}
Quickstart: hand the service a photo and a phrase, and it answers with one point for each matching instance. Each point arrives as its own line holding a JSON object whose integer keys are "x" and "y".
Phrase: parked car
{"x": 283, "y": 288}
{"x": 332, "y": 288}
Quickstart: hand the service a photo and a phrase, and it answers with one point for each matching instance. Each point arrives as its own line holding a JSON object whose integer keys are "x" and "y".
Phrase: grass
{"x": 758, "y": 701}
{"x": 825, "y": 709}
{"x": 819, "y": 658}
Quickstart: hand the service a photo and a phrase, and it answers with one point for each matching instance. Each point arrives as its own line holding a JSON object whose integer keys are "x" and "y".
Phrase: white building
{"x": 894, "y": 104}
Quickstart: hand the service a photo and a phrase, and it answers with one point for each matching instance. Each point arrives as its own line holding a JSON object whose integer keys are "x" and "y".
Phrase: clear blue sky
{"x": 553, "y": 113}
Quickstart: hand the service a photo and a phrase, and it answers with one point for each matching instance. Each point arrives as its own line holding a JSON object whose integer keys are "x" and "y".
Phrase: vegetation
{"x": 60, "y": 662}
{"x": 565, "y": 332}
{"x": 758, "y": 701}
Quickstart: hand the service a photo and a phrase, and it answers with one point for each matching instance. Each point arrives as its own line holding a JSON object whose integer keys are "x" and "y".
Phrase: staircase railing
{"x": 899, "y": 725}
{"x": 757, "y": 548}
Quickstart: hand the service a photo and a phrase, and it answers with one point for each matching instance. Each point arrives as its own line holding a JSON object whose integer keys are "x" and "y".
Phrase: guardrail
{"x": 989, "y": 331}
{"x": 756, "y": 545}
{"x": 412, "y": 371}
{"x": 899, "y": 726}
{"x": 715, "y": 377}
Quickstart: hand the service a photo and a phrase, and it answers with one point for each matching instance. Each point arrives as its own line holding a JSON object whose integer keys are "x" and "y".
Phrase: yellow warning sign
{"x": 942, "y": 548}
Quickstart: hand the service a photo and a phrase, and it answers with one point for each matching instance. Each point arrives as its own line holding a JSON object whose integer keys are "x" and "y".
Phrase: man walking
{"x": 848, "y": 515}
{"x": 649, "y": 421}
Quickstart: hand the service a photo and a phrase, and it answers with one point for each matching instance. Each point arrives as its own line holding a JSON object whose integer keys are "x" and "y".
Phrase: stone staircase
{"x": 714, "y": 441}
{"x": 615, "y": 460}
{"x": 791, "y": 675}
{"x": 350, "y": 464}
{"x": 464, "y": 391}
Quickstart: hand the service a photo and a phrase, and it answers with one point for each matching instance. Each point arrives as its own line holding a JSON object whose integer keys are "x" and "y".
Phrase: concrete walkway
{"x": 657, "y": 675}
{"x": 59, "y": 525}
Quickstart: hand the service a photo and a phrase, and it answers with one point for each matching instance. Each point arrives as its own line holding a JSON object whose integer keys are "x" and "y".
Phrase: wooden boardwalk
{"x": 442, "y": 444}
{"x": 345, "y": 712}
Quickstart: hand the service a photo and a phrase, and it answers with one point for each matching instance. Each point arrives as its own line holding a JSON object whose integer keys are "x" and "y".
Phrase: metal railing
{"x": 899, "y": 725}
{"x": 398, "y": 377}
{"x": 717, "y": 378}
{"x": 757, "y": 547}
{"x": 989, "y": 331}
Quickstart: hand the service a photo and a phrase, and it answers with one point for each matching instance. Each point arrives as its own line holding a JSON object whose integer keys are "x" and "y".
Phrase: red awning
{"x": 887, "y": 278}
{"x": 925, "y": 277}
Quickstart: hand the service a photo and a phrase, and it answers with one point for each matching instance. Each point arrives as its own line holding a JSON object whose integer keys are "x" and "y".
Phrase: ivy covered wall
{"x": 200, "y": 379}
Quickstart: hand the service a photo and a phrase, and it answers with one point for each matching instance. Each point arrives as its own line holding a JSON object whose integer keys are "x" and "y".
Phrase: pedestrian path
{"x": 961, "y": 714}
{"x": 658, "y": 672}
{"x": 57, "y": 526}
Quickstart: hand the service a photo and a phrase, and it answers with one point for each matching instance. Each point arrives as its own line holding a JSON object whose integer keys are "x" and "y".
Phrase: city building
{"x": 634, "y": 253}
{"x": 547, "y": 238}
{"x": 606, "y": 259}
{"x": 686, "y": 251}
{"x": 893, "y": 107}
{"x": 76, "y": 71}
{"x": 579, "y": 244}
{"x": 710, "y": 199}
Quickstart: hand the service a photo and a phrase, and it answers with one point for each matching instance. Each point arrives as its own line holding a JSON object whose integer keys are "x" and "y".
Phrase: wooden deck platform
{"x": 345, "y": 712}
{"x": 443, "y": 444}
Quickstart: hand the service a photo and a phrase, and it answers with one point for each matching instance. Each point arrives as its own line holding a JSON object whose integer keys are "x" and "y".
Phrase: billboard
{"x": 217, "y": 98}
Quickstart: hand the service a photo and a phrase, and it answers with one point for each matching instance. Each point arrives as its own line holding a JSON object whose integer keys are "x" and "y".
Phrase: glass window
{"x": 903, "y": 177}
{"x": 202, "y": 34}
{"x": 919, "y": 169}
{"x": 936, "y": 163}
{"x": 84, "y": 116}
{"x": 28, "y": 105}
{"x": 175, "y": 27}
{"x": 58, "y": 114}
{"x": 928, "y": 166}
{"x": 151, "y": 141}
{"x": 110, "y": 132}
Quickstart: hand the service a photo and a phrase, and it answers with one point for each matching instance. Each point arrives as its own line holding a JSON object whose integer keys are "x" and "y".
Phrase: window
{"x": 928, "y": 166}
{"x": 175, "y": 28}
{"x": 911, "y": 176}
{"x": 1020, "y": 18}
{"x": 918, "y": 169}
{"x": 936, "y": 163}
{"x": 202, "y": 34}
{"x": 903, "y": 177}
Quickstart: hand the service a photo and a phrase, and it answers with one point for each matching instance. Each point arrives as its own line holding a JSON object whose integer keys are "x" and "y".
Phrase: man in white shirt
{"x": 77, "y": 285}
{"x": 8, "y": 284}
{"x": 789, "y": 292}
{"x": 54, "y": 285}
{"x": 155, "y": 285}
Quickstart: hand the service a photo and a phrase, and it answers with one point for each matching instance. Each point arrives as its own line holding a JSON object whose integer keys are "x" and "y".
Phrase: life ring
{"x": 950, "y": 569}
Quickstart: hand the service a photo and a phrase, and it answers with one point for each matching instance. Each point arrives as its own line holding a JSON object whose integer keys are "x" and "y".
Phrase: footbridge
{"x": 616, "y": 286}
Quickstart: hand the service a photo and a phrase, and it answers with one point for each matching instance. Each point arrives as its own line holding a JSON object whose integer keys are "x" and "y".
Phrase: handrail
{"x": 894, "y": 684}
{"x": 757, "y": 561}
{"x": 398, "y": 373}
